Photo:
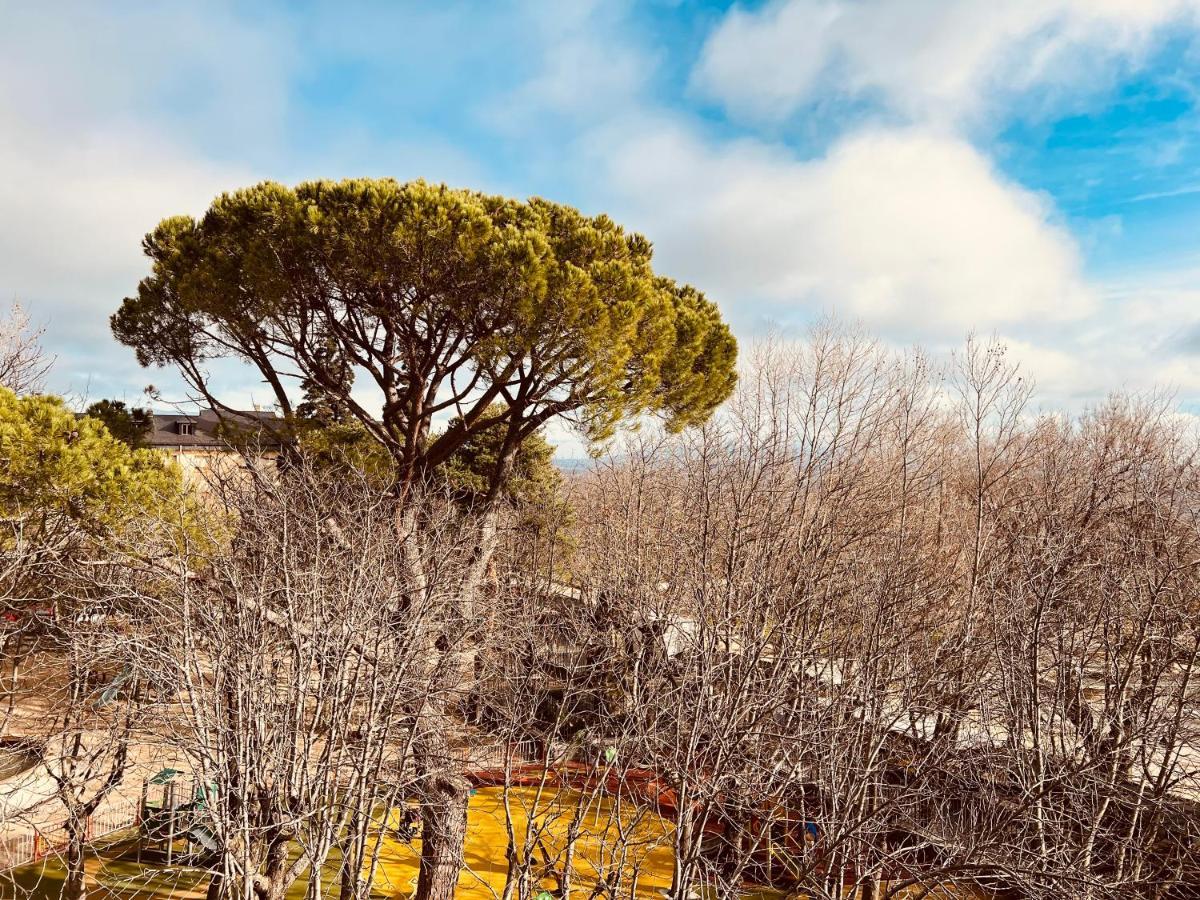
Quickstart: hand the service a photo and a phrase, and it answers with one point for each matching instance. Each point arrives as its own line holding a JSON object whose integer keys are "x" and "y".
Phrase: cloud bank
{"x": 924, "y": 59}
{"x": 902, "y": 214}
{"x": 910, "y": 232}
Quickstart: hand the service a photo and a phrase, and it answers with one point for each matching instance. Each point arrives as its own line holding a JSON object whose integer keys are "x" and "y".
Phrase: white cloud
{"x": 75, "y": 211}
{"x": 910, "y": 231}
{"x": 70, "y": 239}
{"x": 585, "y": 68}
{"x": 578, "y": 77}
{"x": 102, "y": 112}
{"x": 926, "y": 59}
{"x": 202, "y": 72}
{"x": 1139, "y": 341}
{"x": 108, "y": 121}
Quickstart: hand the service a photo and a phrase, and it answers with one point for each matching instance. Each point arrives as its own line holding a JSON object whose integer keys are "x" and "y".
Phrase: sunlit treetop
{"x": 67, "y": 480}
{"x": 437, "y": 302}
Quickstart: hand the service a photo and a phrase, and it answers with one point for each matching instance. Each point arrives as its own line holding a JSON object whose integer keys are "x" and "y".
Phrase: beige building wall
{"x": 203, "y": 467}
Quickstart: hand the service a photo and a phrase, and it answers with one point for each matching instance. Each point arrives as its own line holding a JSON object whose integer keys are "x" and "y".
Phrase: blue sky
{"x": 1028, "y": 168}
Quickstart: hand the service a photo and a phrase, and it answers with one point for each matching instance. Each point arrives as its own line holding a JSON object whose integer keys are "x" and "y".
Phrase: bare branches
{"x": 294, "y": 658}
{"x": 874, "y": 631}
{"x": 908, "y": 634}
{"x": 23, "y": 362}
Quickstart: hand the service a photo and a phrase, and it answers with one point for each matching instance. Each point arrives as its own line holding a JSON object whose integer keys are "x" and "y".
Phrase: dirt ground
{"x": 27, "y": 801}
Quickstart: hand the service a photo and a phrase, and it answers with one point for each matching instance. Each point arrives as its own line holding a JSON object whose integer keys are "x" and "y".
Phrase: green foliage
{"x": 468, "y": 474}
{"x": 471, "y": 471}
{"x": 130, "y": 425}
{"x": 341, "y": 446}
{"x": 439, "y": 299}
{"x": 321, "y": 407}
{"x": 67, "y": 482}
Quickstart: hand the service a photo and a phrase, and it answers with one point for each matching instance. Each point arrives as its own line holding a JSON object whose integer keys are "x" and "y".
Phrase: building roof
{"x": 205, "y": 428}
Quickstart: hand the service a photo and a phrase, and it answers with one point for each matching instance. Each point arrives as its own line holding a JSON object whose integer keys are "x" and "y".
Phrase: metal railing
{"x": 35, "y": 845}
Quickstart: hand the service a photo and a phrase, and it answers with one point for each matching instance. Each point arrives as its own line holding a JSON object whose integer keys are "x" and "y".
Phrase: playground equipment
{"x": 174, "y": 806}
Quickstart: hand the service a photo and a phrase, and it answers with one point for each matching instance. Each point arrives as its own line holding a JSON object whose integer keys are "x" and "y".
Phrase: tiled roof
{"x": 172, "y": 429}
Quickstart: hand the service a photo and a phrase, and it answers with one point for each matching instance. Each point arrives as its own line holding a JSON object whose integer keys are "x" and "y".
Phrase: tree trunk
{"x": 444, "y": 797}
{"x": 444, "y": 791}
{"x": 350, "y": 880}
{"x": 511, "y": 873}
{"x": 568, "y": 876}
{"x": 277, "y": 876}
{"x": 683, "y": 867}
{"x": 216, "y": 887}
{"x": 76, "y": 883}
{"x": 443, "y": 833}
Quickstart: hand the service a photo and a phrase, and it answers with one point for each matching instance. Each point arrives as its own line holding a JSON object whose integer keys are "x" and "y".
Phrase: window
{"x": 185, "y": 427}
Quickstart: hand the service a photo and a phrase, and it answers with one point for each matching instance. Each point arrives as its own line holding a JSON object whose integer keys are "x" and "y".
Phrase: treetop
{"x": 496, "y": 311}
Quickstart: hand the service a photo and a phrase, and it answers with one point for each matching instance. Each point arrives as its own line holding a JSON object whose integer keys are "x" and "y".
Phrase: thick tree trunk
{"x": 443, "y": 833}
{"x": 444, "y": 797}
{"x": 444, "y": 791}
{"x": 277, "y": 875}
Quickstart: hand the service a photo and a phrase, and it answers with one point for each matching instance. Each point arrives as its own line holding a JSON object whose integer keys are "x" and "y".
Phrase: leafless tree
{"x": 84, "y": 709}
{"x": 95, "y": 713}
{"x": 876, "y": 630}
{"x": 971, "y": 627}
{"x": 23, "y": 362}
{"x": 298, "y": 654}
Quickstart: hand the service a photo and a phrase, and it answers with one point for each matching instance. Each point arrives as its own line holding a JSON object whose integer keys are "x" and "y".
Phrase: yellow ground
{"x": 635, "y": 842}
{"x": 645, "y": 852}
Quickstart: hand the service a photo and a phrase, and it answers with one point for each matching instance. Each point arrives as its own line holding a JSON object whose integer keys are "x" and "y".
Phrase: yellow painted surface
{"x": 633, "y": 841}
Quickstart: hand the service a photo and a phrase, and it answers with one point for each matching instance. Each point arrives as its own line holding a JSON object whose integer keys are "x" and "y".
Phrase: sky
{"x": 1028, "y": 169}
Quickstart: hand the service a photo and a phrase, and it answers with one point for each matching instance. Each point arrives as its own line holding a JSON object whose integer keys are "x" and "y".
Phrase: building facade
{"x": 210, "y": 444}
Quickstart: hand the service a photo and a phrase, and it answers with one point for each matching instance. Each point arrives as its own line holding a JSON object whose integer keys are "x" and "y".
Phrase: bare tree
{"x": 96, "y": 712}
{"x": 297, "y": 653}
{"x": 23, "y": 362}
{"x": 972, "y": 629}
{"x": 875, "y": 631}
